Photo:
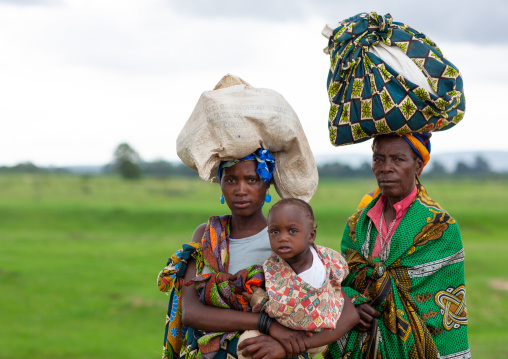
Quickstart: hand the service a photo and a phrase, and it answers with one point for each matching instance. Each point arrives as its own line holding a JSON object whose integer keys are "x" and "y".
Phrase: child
{"x": 302, "y": 280}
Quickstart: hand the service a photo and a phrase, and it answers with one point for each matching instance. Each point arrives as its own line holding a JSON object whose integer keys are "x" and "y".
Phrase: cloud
{"x": 480, "y": 22}
{"x": 262, "y": 9}
{"x": 137, "y": 40}
{"x": 30, "y": 2}
{"x": 88, "y": 75}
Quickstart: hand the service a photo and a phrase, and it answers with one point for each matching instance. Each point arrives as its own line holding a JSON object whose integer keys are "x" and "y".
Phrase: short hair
{"x": 297, "y": 202}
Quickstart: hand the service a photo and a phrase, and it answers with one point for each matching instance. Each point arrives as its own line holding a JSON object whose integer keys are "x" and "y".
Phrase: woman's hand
{"x": 367, "y": 314}
{"x": 262, "y": 347}
{"x": 295, "y": 342}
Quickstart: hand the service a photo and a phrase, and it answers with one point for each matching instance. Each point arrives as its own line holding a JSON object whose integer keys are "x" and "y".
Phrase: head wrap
{"x": 265, "y": 166}
{"x": 236, "y": 119}
{"x": 386, "y": 77}
{"x": 420, "y": 144}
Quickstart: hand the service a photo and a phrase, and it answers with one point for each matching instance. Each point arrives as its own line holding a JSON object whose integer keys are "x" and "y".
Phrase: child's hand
{"x": 247, "y": 296}
{"x": 256, "y": 299}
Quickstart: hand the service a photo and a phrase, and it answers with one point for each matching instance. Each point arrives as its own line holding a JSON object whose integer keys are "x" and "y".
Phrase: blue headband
{"x": 265, "y": 167}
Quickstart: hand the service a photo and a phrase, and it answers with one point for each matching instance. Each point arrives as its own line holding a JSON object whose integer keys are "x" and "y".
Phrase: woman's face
{"x": 243, "y": 189}
{"x": 395, "y": 166}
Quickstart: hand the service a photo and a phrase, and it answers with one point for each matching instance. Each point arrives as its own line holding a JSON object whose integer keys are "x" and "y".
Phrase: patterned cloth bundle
{"x": 368, "y": 87}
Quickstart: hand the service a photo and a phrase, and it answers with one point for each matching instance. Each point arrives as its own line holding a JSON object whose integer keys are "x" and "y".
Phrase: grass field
{"x": 79, "y": 258}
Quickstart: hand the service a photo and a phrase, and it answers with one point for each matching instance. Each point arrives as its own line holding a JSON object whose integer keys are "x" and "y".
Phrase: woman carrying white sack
{"x": 245, "y": 138}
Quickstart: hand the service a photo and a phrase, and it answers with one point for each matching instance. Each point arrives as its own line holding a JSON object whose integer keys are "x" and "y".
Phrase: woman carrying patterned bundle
{"x": 406, "y": 263}
{"x": 389, "y": 82}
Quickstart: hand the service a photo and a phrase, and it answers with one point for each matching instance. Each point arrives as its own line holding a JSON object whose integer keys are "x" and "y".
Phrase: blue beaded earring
{"x": 222, "y": 199}
{"x": 268, "y": 198}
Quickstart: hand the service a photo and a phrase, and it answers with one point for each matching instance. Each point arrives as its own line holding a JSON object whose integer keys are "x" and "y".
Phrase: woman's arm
{"x": 208, "y": 318}
{"x": 205, "y": 317}
{"x": 263, "y": 346}
{"x": 347, "y": 320}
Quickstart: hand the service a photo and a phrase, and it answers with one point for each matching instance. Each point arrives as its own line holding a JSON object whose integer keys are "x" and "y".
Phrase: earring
{"x": 268, "y": 198}
{"x": 222, "y": 199}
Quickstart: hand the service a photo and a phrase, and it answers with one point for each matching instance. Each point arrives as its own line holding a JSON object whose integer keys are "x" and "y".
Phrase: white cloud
{"x": 457, "y": 20}
{"x": 79, "y": 78}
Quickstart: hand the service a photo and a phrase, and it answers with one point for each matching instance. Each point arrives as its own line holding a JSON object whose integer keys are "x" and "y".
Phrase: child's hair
{"x": 297, "y": 202}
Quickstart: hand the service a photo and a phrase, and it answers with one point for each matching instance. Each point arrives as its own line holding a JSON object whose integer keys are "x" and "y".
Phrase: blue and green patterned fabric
{"x": 368, "y": 97}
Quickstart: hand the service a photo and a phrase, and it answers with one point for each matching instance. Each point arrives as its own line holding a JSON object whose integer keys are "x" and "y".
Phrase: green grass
{"x": 79, "y": 258}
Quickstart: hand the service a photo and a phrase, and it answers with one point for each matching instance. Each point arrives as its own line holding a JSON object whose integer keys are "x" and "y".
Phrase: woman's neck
{"x": 390, "y": 212}
{"x": 242, "y": 227}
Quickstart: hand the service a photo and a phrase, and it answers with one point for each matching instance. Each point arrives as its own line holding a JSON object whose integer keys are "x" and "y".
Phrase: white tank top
{"x": 316, "y": 274}
{"x": 244, "y": 252}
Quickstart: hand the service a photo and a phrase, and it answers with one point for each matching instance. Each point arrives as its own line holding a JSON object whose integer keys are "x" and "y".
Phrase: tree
{"x": 437, "y": 169}
{"x": 127, "y": 161}
{"x": 462, "y": 169}
{"x": 481, "y": 166}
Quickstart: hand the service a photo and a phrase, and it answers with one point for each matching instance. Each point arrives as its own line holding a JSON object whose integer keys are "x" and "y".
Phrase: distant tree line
{"x": 128, "y": 164}
{"x": 479, "y": 168}
{"x": 29, "y": 168}
{"x": 159, "y": 168}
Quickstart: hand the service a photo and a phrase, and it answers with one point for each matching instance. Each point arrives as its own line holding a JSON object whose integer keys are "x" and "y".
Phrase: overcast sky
{"x": 78, "y": 77}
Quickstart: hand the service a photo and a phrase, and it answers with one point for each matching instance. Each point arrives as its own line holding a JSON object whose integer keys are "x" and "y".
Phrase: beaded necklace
{"x": 385, "y": 248}
{"x": 385, "y": 241}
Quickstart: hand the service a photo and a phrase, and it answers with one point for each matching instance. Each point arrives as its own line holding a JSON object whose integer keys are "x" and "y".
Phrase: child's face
{"x": 291, "y": 232}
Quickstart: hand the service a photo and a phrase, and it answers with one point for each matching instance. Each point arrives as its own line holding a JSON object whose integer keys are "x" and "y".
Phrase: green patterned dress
{"x": 419, "y": 286}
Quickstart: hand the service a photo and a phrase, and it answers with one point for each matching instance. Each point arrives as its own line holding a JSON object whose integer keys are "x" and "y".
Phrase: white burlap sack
{"x": 233, "y": 121}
